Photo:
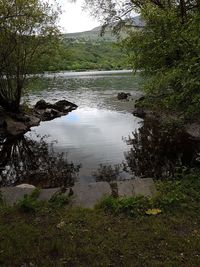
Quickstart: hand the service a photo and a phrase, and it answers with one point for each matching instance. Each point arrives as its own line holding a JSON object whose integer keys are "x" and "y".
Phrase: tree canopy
{"x": 27, "y": 27}
{"x": 166, "y": 51}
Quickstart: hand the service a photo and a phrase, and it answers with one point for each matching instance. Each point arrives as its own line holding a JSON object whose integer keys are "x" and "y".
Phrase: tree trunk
{"x": 183, "y": 10}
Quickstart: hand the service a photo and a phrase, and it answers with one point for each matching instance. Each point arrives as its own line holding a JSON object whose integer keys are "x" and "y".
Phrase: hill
{"x": 90, "y": 50}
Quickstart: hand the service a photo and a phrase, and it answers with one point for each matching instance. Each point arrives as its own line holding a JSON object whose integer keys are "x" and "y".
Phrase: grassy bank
{"x": 116, "y": 233}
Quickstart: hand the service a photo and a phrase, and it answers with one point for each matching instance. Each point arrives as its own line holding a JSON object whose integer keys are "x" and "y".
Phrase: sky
{"x": 74, "y": 19}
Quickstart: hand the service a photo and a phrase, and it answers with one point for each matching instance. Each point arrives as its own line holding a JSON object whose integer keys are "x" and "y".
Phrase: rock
{"x": 88, "y": 195}
{"x": 135, "y": 187}
{"x": 41, "y": 104}
{"x": 34, "y": 121}
{"x": 55, "y": 112}
{"x": 16, "y": 128}
{"x": 139, "y": 101}
{"x": 84, "y": 195}
{"x": 20, "y": 117}
{"x": 193, "y": 130}
{"x": 62, "y": 104}
{"x": 11, "y": 195}
{"x": 139, "y": 112}
{"x": 25, "y": 186}
{"x": 122, "y": 96}
{"x": 50, "y": 114}
{"x": 47, "y": 111}
{"x": 144, "y": 186}
{"x": 47, "y": 194}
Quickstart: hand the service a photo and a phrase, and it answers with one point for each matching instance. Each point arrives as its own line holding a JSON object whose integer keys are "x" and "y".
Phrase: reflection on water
{"x": 92, "y": 134}
{"x": 157, "y": 151}
{"x": 24, "y": 160}
{"x": 90, "y": 137}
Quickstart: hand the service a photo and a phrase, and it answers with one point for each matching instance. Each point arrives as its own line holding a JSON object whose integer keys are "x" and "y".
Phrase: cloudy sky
{"x": 74, "y": 19}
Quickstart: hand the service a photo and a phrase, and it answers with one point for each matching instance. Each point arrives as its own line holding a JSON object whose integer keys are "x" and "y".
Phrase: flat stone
{"x": 135, "y": 187}
{"x": 145, "y": 187}
{"x": 47, "y": 194}
{"x": 26, "y": 186}
{"x": 11, "y": 195}
{"x": 88, "y": 195}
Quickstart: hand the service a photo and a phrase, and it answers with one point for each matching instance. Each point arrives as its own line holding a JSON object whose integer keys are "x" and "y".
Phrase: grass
{"x": 56, "y": 235}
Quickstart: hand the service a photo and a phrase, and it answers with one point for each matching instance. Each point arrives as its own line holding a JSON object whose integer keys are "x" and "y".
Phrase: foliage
{"x": 59, "y": 200}
{"x": 85, "y": 54}
{"x": 166, "y": 50}
{"x": 26, "y": 28}
{"x": 79, "y": 237}
{"x": 153, "y": 211}
{"x": 30, "y": 202}
{"x": 170, "y": 196}
{"x": 132, "y": 206}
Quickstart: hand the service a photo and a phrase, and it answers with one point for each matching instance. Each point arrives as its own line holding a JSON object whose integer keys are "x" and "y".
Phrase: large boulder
{"x": 42, "y": 104}
{"x": 64, "y": 105}
{"x": 47, "y": 111}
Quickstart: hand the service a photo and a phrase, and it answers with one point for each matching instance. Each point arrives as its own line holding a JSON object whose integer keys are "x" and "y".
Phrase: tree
{"x": 166, "y": 51}
{"x": 26, "y": 29}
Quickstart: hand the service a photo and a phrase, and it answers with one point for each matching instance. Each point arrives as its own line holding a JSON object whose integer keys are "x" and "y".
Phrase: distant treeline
{"x": 86, "y": 54}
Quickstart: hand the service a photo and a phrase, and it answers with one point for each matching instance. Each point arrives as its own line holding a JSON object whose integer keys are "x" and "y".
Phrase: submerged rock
{"x": 123, "y": 96}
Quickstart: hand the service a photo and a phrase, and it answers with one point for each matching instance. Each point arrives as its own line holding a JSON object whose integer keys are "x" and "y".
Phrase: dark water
{"x": 94, "y": 134}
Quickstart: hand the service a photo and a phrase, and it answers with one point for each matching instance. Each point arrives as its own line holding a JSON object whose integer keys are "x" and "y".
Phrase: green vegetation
{"x": 166, "y": 51}
{"x": 120, "y": 232}
{"x": 86, "y": 53}
{"x": 30, "y": 202}
{"x": 28, "y": 31}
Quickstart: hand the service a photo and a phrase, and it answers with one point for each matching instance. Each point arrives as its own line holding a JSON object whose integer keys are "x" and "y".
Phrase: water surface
{"x": 92, "y": 134}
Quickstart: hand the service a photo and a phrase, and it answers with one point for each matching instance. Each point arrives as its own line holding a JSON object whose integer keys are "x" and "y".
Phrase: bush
{"x": 30, "y": 202}
{"x": 171, "y": 195}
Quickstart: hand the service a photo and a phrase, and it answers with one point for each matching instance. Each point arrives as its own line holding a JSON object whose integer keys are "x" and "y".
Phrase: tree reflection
{"x": 159, "y": 151}
{"x": 25, "y": 160}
